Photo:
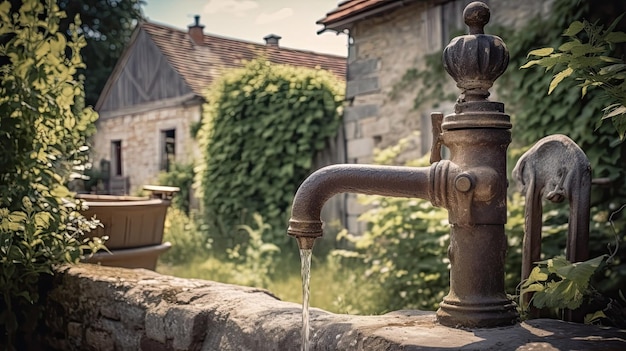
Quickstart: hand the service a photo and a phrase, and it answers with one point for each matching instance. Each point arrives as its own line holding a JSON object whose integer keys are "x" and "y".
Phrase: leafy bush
{"x": 255, "y": 260}
{"x": 536, "y": 113}
{"x": 180, "y": 175}
{"x": 251, "y": 263}
{"x": 587, "y": 58}
{"x": 261, "y": 129}
{"x": 185, "y": 233}
{"x": 558, "y": 283}
{"x": 44, "y": 127}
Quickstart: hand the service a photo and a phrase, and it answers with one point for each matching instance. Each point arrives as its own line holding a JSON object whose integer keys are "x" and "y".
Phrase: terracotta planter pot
{"x": 141, "y": 257}
{"x": 134, "y": 226}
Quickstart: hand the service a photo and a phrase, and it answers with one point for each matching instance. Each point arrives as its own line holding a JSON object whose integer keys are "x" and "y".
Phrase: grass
{"x": 334, "y": 288}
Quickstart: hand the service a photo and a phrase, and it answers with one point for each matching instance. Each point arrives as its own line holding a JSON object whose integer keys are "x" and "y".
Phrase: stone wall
{"x": 102, "y": 308}
{"x": 383, "y": 48}
{"x": 140, "y": 134}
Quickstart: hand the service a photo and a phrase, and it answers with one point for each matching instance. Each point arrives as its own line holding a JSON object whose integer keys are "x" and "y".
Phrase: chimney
{"x": 195, "y": 31}
{"x": 272, "y": 40}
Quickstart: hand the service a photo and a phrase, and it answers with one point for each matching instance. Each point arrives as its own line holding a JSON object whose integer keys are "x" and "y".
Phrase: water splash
{"x": 305, "y": 270}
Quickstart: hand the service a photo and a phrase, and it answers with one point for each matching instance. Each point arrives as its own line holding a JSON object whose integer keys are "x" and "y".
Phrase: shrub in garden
{"x": 180, "y": 175}
{"x": 44, "y": 127}
{"x": 262, "y": 126}
{"x": 189, "y": 241}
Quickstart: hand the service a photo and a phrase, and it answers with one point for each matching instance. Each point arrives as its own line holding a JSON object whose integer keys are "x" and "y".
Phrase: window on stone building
{"x": 116, "y": 157}
{"x": 168, "y": 148}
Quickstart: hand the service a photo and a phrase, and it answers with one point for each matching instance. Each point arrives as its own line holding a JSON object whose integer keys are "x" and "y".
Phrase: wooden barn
{"x": 155, "y": 94}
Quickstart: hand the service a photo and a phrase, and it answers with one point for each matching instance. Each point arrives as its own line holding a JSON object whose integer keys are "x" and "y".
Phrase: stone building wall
{"x": 382, "y": 50}
{"x": 141, "y": 139}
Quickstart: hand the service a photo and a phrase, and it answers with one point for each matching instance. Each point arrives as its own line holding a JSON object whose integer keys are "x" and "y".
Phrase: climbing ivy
{"x": 262, "y": 126}
{"x": 431, "y": 83}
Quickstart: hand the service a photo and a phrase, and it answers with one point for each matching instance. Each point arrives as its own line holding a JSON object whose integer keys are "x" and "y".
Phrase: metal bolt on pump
{"x": 471, "y": 185}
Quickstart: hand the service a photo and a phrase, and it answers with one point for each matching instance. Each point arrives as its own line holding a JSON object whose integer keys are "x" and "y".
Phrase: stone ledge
{"x": 103, "y": 308}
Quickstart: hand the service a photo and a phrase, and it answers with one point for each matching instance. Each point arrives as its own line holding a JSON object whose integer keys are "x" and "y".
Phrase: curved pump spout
{"x": 305, "y": 223}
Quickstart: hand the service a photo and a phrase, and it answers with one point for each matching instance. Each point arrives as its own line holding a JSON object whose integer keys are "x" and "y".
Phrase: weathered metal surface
{"x": 555, "y": 168}
{"x": 471, "y": 185}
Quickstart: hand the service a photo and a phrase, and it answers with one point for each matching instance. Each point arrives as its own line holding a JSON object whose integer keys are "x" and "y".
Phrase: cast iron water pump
{"x": 471, "y": 185}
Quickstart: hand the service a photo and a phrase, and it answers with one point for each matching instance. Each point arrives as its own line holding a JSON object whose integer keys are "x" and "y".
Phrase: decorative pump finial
{"x": 475, "y": 60}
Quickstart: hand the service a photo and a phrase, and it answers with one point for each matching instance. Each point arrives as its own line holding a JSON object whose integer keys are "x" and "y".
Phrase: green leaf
{"x": 536, "y": 275}
{"x": 558, "y": 78}
{"x": 612, "y": 69}
{"x": 569, "y": 45}
{"x": 590, "y": 318}
{"x": 573, "y": 29}
{"x": 540, "y": 52}
{"x": 615, "y": 37}
{"x": 615, "y": 110}
{"x": 530, "y": 63}
{"x": 532, "y": 288}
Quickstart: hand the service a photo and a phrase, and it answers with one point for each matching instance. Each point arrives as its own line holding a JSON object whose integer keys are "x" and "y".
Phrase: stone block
{"x": 360, "y": 147}
{"x": 357, "y": 112}
{"x": 361, "y": 86}
{"x": 361, "y": 68}
{"x": 229, "y": 317}
{"x": 111, "y": 311}
{"x": 185, "y": 325}
{"x": 350, "y": 130}
{"x": 155, "y": 323}
{"x": 99, "y": 340}
{"x": 371, "y": 127}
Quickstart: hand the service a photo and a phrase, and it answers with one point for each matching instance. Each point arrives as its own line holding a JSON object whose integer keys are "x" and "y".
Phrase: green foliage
{"x": 251, "y": 263}
{"x": 536, "y": 114}
{"x": 107, "y": 26}
{"x": 44, "y": 127}
{"x": 588, "y": 57}
{"x": 558, "y": 283}
{"x": 180, "y": 175}
{"x": 186, "y": 234}
{"x": 405, "y": 251}
{"x": 261, "y": 129}
{"x": 255, "y": 260}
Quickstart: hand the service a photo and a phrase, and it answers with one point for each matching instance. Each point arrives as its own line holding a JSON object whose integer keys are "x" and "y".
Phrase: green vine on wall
{"x": 432, "y": 83}
{"x": 262, "y": 127}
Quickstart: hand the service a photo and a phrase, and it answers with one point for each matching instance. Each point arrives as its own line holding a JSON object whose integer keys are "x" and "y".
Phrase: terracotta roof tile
{"x": 350, "y": 11}
{"x": 349, "y": 8}
{"x": 198, "y": 65}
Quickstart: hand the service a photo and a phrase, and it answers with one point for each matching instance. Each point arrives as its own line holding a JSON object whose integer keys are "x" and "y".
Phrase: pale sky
{"x": 251, "y": 20}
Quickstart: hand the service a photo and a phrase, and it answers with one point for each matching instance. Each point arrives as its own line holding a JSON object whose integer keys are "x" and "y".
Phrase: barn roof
{"x": 222, "y": 52}
{"x": 199, "y": 62}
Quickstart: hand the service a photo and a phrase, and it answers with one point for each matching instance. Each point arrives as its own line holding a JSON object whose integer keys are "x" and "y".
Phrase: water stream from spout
{"x": 305, "y": 270}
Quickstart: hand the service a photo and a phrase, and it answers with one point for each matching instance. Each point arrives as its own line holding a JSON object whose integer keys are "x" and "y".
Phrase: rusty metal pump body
{"x": 471, "y": 185}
